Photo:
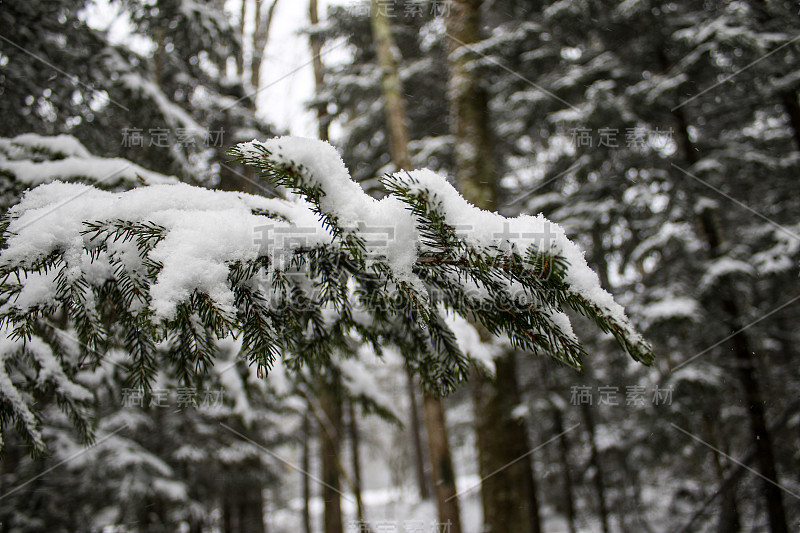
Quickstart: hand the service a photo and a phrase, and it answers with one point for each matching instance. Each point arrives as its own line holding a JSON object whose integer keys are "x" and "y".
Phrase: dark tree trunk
{"x": 563, "y": 452}
{"x": 229, "y": 522}
{"x": 355, "y": 455}
{"x": 416, "y": 440}
{"x": 330, "y": 437}
{"x": 240, "y": 55}
{"x": 745, "y": 362}
{"x": 729, "y": 520}
{"x": 260, "y": 39}
{"x": 746, "y": 371}
{"x": 305, "y": 480}
{"x": 509, "y": 496}
{"x": 508, "y": 487}
{"x": 594, "y": 462}
{"x": 792, "y": 107}
{"x": 444, "y": 481}
{"x": 469, "y": 111}
{"x": 323, "y": 120}
{"x": 250, "y": 508}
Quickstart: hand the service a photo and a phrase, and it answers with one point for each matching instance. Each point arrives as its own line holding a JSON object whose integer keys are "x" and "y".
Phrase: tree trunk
{"x": 305, "y": 480}
{"x": 444, "y": 481}
{"x": 508, "y": 487}
{"x": 229, "y": 522}
{"x": 563, "y": 450}
{"x": 356, "y": 458}
{"x": 250, "y": 508}
{"x": 729, "y": 520}
{"x": 746, "y": 371}
{"x": 260, "y": 39}
{"x": 792, "y": 107}
{"x": 594, "y": 462}
{"x": 509, "y": 496}
{"x": 469, "y": 110}
{"x": 240, "y": 55}
{"x": 330, "y": 436}
{"x": 323, "y": 120}
{"x": 395, "y": 106}
{"x": 416, "y": 440}
{"x": 745, "y": 362}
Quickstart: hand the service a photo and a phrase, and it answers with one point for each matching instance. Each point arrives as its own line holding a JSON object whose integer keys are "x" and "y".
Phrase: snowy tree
{"x": 175, "y": 263}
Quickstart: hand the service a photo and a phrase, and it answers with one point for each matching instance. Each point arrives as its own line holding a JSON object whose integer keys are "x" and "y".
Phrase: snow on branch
{"x": 182, "y": 264}
{"x": 32, "y": 159}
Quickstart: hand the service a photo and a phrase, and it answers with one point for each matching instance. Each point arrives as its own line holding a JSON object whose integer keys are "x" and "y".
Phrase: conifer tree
{"x": 155, "y": 259}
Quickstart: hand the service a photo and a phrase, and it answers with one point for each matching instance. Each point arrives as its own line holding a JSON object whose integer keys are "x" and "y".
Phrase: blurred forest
{"x": 664, "y": 136}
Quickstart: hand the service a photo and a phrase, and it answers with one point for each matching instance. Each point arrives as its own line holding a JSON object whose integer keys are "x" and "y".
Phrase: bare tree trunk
{"x": 229, "y": 522}
{"x": 397, "y": 125}
{"x": 319, "y": 73}
{"x": 395, "y": 106}
{"x": 250, "y": 507}
{"x": 444, "y": 481}
{"x": 745, "y": 362}
{"x": 594, "y": 462}
{"x": 563, "y": 450}
{"x": 508, "y": 487}
{"x": 736, "y": 472}
{"x": 260, "y": 39}
{"x": 729, "y": 520}
{"x": 746, "y": 370}
{"x": 355, "y": 454}
{"x": 416, "y": 440}
{"x": 305, "y": 480}
{"x": 792, "y": 107}
{"x": 469, "y": 110}
{"x": 240, "y": 55}
{"x": 330, "y": 438}
{"x": 509, "y": 496}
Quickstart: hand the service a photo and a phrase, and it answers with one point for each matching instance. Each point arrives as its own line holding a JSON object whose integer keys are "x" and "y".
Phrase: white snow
{"x": 671, "y": 307}
{"x": 208, "y": 230}
{"x": 97, "y": 169}
{"x": 35, "y": 159}
{"x": 470, "y": 344}
{"x": 484, "y": 229}
{"x": 360, "y": 381}
{"x": 724, "y": 266}
{"x": 320, "y": 164}
{"x": 21, "y": 146}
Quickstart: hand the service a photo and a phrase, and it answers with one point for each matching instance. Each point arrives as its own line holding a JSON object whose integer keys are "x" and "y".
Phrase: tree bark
{"x": 792, "y": 107}
{"x": 356, "y": 458}
{"x": 305, "y": 480}
{"x": 416, "y": 440}
{"x": 746, "y": 371}
{"x": 508, "y": 488}
{"x": 737, "y": 471}
{"x": 594, "y": 462}
{"x": 330, "y": 436}
{"x": 469, "y": 112}
{"x": 250, "y": 504}
{"x": 395, "y": 105}
{"x": 323, "y": 120}
{"x": 509, "y": 496}
{"x": 745, "y": 362}
{"x": 240, "y": 55}
{"x": 563, "y": 450}
{"x": 260, "y": 39}
{"x": 444, "y": 481}
{"x": 729, "y": 520}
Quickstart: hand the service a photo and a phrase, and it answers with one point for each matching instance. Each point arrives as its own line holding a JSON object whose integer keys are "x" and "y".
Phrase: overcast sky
{"x": 284, "y": 93}
{"x": 287, "y": 76}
